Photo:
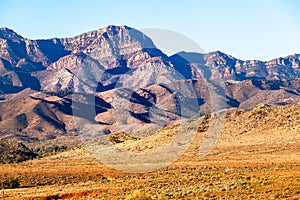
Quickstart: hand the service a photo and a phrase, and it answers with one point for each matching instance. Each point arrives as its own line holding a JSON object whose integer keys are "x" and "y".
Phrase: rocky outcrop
{"x": 217, "y": 65}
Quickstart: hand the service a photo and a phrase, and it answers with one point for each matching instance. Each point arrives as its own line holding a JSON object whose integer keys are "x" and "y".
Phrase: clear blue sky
{"x": 246, "y": 29}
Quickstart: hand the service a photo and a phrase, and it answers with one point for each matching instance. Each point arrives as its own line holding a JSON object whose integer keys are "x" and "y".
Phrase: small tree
{"x": 9, "y": 183}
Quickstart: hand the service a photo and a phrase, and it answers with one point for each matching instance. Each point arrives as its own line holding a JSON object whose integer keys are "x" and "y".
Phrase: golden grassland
{"x": 256, "y": 157}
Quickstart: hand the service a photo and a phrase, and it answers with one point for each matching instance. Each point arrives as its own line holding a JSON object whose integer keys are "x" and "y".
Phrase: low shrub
{"x": 138, "y": 195}
{"x": 9, "y": 183}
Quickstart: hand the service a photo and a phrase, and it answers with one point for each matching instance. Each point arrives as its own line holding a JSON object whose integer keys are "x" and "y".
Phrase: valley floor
{"x": 256, "y": 176}
{"x": 262, "y": 162}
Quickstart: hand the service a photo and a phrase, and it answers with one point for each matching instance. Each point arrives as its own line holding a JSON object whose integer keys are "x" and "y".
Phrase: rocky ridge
{"x": 116, "y": 77}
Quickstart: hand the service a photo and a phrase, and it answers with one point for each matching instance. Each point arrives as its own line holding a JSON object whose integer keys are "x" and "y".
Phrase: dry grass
{"x": 256, "y": 157}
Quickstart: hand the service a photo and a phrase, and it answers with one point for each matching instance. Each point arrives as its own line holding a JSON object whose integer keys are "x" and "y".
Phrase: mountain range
{"x": 100, "y": 74}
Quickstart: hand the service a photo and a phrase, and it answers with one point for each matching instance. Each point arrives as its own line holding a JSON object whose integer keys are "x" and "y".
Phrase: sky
{"x": 245, "y": 29}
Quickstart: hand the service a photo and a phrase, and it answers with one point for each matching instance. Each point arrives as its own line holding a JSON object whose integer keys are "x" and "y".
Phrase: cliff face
{"x": 21, "y": 54}
{"x": 123, "y": 55}
{"x": 103, "y": 56}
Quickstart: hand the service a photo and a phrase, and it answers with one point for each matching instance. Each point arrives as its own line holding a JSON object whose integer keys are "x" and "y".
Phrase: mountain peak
{"x": 7, "y": 33}
{"x": 110, "y": 41}
{"x": 114, "y": 27}
{"x": 5, "y": 29}
{"x": 219, "y": 54}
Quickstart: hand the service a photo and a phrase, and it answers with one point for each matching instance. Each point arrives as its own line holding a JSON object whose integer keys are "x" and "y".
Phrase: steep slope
{"x": 21, "y": 54}
{"x": 104, "y": 59}
{"x": 116, "y": 77}
{"x": 109, "y": 48}
{"x": 29, "y": 119}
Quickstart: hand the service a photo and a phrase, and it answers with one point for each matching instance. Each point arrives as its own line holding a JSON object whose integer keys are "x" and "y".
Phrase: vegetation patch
{"x": 9, "y": 183}
{"x": 60, "y": 93}
{"x": 14, "y": 152}
{"x": 120, "y": 137}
